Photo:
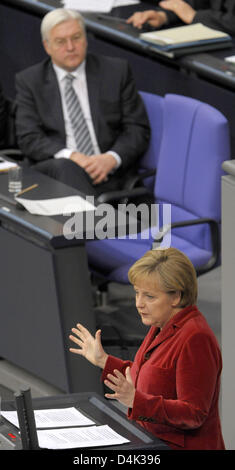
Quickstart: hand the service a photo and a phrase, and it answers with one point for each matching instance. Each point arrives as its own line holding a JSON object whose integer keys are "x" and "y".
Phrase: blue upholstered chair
{"x": 192, "y": 140}
{"x": 148, "y": 163}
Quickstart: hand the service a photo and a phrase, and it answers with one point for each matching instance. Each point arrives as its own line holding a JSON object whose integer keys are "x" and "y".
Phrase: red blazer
{"x": 176, "y": 373}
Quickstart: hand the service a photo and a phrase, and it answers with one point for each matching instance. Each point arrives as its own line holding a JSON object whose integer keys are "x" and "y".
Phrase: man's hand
{"x": 97, "y": 166}
{"x": 79, "y": 158}
{"x": 184, "y": 11}
{"x": 122, "y": 386}
{"x": 153, "y": 17}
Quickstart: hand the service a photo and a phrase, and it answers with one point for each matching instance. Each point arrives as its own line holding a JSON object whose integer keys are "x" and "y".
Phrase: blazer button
{"x": 147, "y": 355}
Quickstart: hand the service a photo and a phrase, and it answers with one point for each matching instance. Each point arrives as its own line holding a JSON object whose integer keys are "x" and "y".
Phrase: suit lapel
{"x": 93, "y": 81}
{"x": 53, "y": 97}
{"x": 158, "y": 338}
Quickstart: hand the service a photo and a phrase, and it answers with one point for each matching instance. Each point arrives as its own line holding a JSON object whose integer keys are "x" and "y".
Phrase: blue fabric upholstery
{"x": 154, "y": 106}
{"x": 192, "y": 141}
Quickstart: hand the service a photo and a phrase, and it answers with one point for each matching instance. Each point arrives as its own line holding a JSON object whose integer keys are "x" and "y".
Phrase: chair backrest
{"x": 154, "y": 107}
{"x": 195, "y": 142}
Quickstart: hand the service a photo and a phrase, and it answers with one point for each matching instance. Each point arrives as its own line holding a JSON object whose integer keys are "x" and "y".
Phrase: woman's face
{"x": 155, "y": 306}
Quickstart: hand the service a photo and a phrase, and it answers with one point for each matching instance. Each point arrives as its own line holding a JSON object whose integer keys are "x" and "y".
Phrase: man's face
{"x": 67, "y": 45}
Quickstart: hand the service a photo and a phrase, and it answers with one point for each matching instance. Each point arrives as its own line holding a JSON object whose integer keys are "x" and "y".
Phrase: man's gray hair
{"x": 57, "y": 16}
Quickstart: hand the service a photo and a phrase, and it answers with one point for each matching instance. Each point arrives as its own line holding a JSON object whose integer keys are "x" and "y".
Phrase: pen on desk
{"x": 27, "y": 189}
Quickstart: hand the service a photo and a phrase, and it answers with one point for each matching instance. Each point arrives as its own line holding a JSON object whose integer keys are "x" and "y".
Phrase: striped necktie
{"x": 81, "y": 131}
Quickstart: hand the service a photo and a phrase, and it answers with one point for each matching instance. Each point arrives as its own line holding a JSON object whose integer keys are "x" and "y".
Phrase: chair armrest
{"x": 122, "y": 194}
{"x": 215, "y": 239}
{"x": 128, "y": 189}
{"x": 16, "y": 154}
{"x": 229, "y": 167}
{"x": 133, "y": 180}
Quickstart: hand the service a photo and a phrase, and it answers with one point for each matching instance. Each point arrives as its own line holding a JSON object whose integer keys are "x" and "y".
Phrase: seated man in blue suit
{"x": 79, "y": 116}
{"x": 217, "y": 14}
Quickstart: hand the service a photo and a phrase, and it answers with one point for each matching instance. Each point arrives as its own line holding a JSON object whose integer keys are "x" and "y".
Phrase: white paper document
{"x": 122, "y": 3}
{"x": 5, "y": 165}
{"x": 57, "y": 206}
{"x": 102, "y": 6}
{"x": 53, "y": 418}
{"x": 230, "y": 58}
{"x": 69, "y": 438}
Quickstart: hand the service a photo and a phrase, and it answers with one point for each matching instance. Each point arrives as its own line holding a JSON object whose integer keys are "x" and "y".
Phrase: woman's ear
{"x": 176, "y": 298}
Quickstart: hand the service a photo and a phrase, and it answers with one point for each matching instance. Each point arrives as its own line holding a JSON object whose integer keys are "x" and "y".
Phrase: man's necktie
{"x": 81, "y": 131}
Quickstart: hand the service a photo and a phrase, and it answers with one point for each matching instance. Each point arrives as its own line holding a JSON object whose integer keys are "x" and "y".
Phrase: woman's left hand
{"x": 122, "y": 386}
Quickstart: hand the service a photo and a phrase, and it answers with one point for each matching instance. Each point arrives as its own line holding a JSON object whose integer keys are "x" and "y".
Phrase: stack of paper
{"x": 189, "y": 38}
{"x": 68, "y": 438}
{"x": 61, "y": 433}
{"x": 53, "y": 417}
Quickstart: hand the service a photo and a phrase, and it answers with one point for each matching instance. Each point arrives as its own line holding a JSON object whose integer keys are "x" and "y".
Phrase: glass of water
{"x": 15, "y": 179}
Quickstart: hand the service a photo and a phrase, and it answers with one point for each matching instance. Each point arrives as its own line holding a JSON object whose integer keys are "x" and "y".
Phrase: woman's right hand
{"x": 90, "y": 346}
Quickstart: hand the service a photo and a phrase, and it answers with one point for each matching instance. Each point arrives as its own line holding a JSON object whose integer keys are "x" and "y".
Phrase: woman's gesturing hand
{"x": 90, "y": 347}
{"x": 122, "y": 386}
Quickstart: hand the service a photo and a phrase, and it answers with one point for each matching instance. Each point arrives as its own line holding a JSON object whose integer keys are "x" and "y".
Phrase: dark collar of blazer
{"x": 52, "y": 92}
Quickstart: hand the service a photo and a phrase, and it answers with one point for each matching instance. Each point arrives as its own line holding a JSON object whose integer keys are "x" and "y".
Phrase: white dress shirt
{"x": 80, "y": 87}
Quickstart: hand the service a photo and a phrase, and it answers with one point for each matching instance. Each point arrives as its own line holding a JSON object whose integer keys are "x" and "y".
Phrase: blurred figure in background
{"x": 217, "y": 14}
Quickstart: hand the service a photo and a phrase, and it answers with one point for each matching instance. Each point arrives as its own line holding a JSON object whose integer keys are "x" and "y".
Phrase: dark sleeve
{"x": 33, "y": 137}
{"x": 3, "y": 117}
{"x": 172, "y": 18}
{"x": 134, "y": 130}
{"x": 223, "y": 19}
{"x": 215, "y": 14}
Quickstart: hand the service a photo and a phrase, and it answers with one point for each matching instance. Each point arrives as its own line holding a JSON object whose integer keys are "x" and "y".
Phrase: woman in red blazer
{"x": 172, "y": 387}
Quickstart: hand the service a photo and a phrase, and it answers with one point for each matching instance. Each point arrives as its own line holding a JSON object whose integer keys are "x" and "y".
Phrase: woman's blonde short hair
{"x": 57, "y": 16}
{"x": 171, "y": 270}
